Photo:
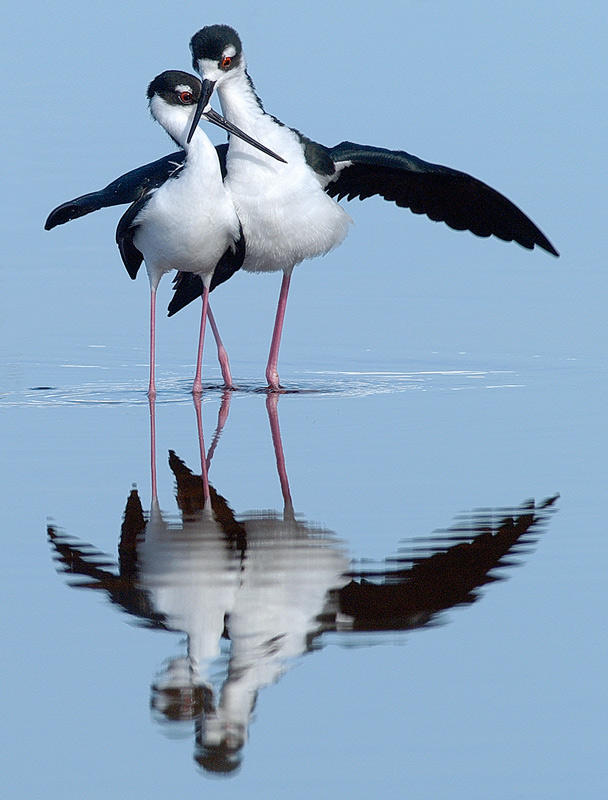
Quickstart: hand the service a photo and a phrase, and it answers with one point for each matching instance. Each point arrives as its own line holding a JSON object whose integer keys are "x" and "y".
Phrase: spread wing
{"x": 127, "y": 188}
{"x": 443, "y": 194}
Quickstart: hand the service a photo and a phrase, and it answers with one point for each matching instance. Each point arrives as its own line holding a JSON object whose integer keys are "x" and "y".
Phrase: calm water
{"x": 334, "y": 622}
{"x": 331, "y": 624}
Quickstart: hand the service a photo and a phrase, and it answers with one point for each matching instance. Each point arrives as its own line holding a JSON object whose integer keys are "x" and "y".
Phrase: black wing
{"x": 125, "y": 231}
{"x": 443, "y": 194}
{"x": 126, "y": 189}
{"x": 188, "y": 286}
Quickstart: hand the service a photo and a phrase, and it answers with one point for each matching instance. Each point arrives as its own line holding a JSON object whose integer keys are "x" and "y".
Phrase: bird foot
{"x": 272, "y": 376}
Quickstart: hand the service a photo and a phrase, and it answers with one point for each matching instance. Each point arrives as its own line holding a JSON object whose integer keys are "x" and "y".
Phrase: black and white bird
{"x": 189, "y": 223}
{"x": 289, "y": 213}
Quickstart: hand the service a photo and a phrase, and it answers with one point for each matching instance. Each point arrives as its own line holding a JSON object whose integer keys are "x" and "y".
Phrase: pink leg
{"x": 222, "y": 355}
{"x": 272, "y": 375}
{"x": 201, "y": 443}
{"x": 272, "y": 401}
{"x": 152, "y": 383}
{"x": 198, "y": 386}
{"x": 152, "y": 402}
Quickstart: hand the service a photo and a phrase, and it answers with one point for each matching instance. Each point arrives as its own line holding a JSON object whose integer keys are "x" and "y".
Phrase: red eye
{"x": 226, "y": 62}
{"x": 185, "y": 98}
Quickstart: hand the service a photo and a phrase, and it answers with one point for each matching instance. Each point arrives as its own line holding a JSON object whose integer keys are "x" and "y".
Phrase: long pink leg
{"x": 222, "y": 355}
{"x": 152, "y": 383}
{"x": 201, "y": 444}
{"x": 198, "y": 385}
{"x": 272, "y": 401}
{"x": 272, "y": 375}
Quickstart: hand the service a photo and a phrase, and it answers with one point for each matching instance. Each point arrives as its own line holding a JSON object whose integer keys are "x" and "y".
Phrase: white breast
{"x": 190, "y": 221}
{"x": 181, "y": 229}
{"x": 285, "y": 213}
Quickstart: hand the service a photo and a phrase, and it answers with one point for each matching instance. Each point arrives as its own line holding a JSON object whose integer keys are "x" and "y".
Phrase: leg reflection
{"x": 272, "y": 402}
{"x": 154, "y": 487}
{"x": 201, "y": 444}
{"x": 222, "y": 416}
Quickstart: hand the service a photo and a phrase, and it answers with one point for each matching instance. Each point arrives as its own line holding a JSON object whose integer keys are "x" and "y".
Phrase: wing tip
{"x": 60, "y": 215}
{"x": 546, "y": 245}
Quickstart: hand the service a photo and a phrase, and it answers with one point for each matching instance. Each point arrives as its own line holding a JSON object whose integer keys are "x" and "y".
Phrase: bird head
{"x": 177, "y": 102}
{"x": 217, "y": 53}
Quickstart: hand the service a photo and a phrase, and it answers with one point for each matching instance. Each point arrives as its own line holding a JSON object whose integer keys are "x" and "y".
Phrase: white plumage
{"x": 190, "y": 221}
{"x": 286, "y": 215}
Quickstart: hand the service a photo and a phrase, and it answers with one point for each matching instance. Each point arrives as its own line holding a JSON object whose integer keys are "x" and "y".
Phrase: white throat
{"x": 176, "y": 120}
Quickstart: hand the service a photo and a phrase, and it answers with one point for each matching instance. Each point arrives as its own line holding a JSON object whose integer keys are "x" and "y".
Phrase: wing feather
{"x": 125, "y": 189}
{"x": 442, "y": 193}
{"x": 125, "y": 231}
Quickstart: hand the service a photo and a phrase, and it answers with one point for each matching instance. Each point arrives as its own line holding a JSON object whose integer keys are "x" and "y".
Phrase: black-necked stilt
{"x": 289, "y": 214}
{"x": 189, "y": 223}
{"x": 132, "y": 188}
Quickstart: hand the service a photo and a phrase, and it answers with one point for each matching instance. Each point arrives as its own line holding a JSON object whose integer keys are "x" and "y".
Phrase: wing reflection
{"x": 256, "y": 591}
{"x": 416, "y": 588}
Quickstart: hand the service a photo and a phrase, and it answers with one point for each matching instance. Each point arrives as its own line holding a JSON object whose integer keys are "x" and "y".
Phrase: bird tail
{"x": 187, "y": 287}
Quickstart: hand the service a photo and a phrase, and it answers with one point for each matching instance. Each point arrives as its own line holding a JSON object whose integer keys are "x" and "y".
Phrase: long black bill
{"x": 207, "y": 88}
{"x": 217, "y": 119}
{"x": 212, "y": 116}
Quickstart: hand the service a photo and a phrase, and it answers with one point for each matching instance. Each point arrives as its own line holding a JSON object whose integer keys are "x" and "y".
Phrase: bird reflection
{"x": 253, "y": 592}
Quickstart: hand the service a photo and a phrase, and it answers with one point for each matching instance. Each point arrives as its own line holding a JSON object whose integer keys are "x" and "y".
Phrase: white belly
{"x": 285, "y": 214}
{"x": 185, "y": 230}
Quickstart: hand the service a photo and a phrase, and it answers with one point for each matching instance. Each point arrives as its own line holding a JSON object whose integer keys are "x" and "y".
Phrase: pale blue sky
{"x": 511, "y": 92}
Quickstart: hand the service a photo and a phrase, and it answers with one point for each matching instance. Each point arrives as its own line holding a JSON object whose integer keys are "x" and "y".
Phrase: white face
{"x": 176, "y": 119}
{"x": 209, "y": 70}
{"x": 212, "y": 70}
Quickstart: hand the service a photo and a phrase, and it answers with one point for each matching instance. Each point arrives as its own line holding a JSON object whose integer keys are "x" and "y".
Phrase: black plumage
{"x": 125, "y": 231}
{"x": 443, "y": 194}
{"x": 127, "y": 188}
{"x": 348, "y": 170}
{"x": 188, "y": 285}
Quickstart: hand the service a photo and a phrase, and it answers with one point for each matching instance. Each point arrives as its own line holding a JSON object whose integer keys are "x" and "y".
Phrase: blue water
{"x": 478, "y": 689}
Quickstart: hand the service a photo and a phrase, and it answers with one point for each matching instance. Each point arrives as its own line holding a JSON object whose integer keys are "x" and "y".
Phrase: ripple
{"x": 327, "y": 383}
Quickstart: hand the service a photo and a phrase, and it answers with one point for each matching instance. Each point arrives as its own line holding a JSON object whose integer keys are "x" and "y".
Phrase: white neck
{"x": 177, "y": 120}
{"x": 238, "y": 100}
